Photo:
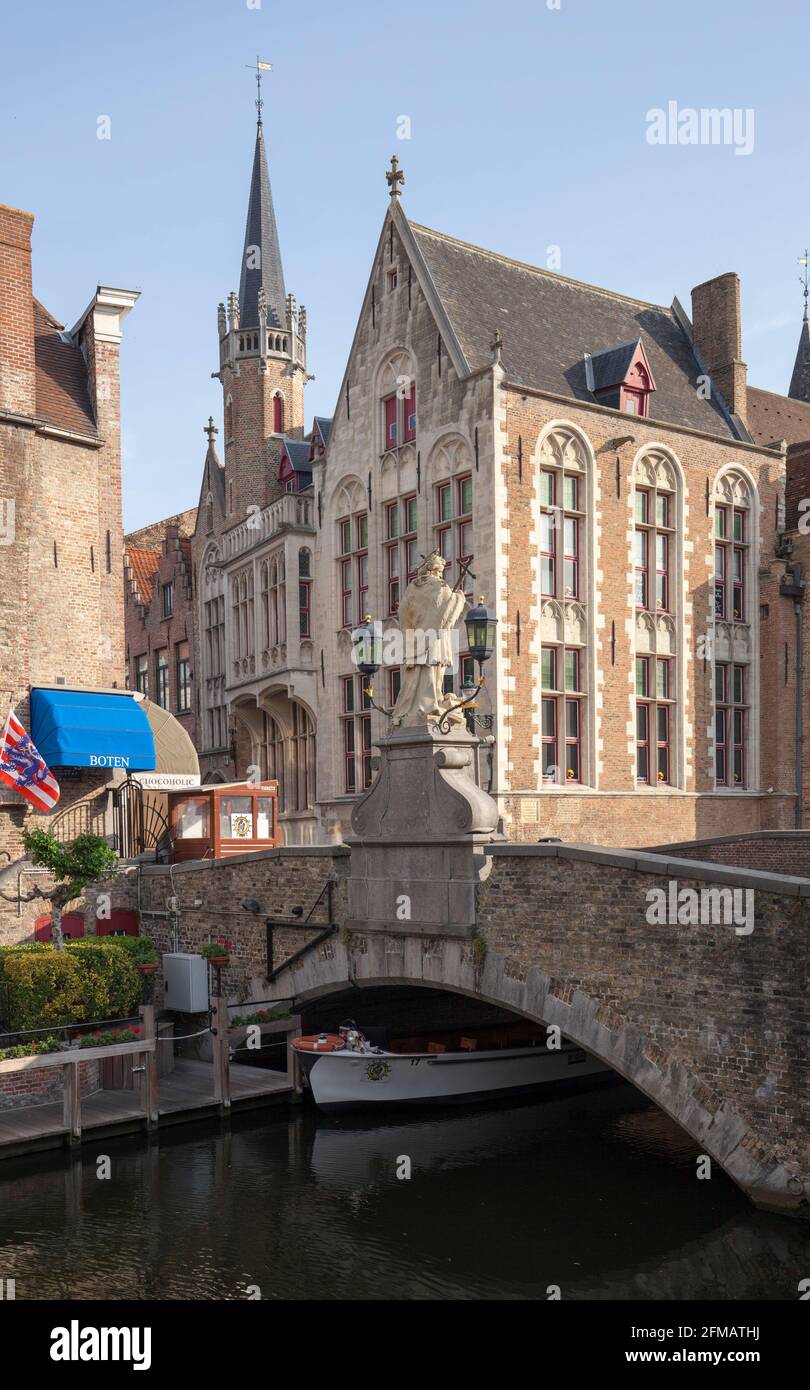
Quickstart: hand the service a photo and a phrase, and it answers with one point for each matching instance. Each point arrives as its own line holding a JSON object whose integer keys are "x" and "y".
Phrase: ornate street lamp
{"x": 480, "y": 624}
{"x": 368, "y": 644}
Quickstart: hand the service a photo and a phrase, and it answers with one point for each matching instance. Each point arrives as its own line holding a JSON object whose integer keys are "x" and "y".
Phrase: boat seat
{"x": 436, "y": 1047}
{"x": 468, "y": 1044}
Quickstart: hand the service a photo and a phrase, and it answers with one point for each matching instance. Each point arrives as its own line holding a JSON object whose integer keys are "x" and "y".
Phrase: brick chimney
{"x": 17, "y": 369}
{"x": 717, "y": 331}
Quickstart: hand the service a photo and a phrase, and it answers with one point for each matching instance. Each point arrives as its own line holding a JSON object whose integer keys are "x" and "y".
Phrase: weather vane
{"x": 804, "y": 279}
{"x": 260, "y": 68}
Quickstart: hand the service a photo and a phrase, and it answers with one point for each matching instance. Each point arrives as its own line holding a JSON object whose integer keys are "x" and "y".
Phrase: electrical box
{"x": 185, "y": 983}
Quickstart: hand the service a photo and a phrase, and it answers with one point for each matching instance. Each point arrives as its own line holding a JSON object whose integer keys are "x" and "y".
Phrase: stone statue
{"x": 428, "y": 612}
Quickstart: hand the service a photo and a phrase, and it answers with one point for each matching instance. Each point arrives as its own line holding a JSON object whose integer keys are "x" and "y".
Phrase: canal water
{"x": 596, "y": 1194}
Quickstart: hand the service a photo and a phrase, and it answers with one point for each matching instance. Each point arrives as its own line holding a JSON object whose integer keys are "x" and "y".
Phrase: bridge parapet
{"x": 708, "y": 1014}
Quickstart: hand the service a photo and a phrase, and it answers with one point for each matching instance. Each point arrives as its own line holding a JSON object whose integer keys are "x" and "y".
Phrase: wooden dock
{"x": 187, "y": 1094}
{"x": 192, "y": 1090}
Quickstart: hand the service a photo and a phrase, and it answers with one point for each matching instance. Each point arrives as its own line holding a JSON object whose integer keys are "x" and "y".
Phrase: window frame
{"x": 562, "y": 698}
{"x": 654, "y": 705}
{"x": 182, "y": 677}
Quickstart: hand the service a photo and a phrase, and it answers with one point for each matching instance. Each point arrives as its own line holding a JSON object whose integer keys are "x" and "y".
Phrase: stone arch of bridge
{"x": 464, "y": 967}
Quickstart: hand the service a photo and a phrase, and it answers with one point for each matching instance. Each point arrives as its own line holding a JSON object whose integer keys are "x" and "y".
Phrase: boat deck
{"x": 188, "y": 1092}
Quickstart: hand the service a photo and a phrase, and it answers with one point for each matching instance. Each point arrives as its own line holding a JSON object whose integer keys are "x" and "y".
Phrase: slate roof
{"x": 324, "y": 425}
{"x": 771, "y": 417}
{"x": 799, "y": 387}
{"x": 144, "y": 565}
{"x": 62, "y": 395}
{"x": 261, "y": 232}
{"x": 549, "y": 322}
{"x": 297, "y": 451}
{"x": 611, "y": 366}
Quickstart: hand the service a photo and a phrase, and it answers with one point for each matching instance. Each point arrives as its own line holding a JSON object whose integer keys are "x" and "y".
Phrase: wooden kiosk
{"x": 222, "y": 819}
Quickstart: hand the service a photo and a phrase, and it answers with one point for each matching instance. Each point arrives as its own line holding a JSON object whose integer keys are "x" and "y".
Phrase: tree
{"x": 87, "y": 859}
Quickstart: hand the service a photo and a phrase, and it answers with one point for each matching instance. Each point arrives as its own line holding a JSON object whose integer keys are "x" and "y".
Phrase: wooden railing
{"x": 72, "y": 1058}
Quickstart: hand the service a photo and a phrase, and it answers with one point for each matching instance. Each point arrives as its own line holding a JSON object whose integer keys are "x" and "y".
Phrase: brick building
{"x": 61, "y": 618}
{"x": 785, "y": 422}
{"x": 590, "y": 453}
{"x": 600, "y": 461}
{"x": 159, "y": 615}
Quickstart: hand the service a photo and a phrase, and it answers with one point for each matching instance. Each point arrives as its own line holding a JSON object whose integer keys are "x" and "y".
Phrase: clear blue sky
{"x": 528, "y": 129}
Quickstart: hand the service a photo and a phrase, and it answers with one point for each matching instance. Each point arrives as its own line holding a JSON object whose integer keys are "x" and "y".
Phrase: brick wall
{"x": 148, "y": 632}
{"x": 61, "y": 615}
{"x": 732, "y": 1008}
{"x": 774, "y": 851}
{"x": 35, "y": 1087}
{"x": 209, "y": 903}
{"x": 17, "y": 372}
{"x": 618, "y": 814}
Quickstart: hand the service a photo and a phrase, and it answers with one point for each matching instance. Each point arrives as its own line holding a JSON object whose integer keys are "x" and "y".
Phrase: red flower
{"x": 136, "y": 1030}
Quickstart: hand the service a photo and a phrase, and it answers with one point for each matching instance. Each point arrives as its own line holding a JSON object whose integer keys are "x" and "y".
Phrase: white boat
{"x": 345, "y": 1071}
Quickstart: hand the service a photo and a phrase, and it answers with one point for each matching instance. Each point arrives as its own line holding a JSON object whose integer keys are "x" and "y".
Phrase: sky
{"x": 528, "y": 130}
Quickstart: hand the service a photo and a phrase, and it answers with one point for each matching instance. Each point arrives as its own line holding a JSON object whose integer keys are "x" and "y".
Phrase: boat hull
{"x": 350, "y": 1080}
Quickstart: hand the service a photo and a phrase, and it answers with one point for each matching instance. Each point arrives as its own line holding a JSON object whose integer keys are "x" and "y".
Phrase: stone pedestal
{"x": 418, "y": 848}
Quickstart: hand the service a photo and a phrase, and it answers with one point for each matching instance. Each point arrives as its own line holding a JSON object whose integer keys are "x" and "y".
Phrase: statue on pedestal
{"x": 428, "y": 613}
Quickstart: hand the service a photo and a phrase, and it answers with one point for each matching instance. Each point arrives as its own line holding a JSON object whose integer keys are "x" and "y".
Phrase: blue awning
{"x": 84, "y": 728}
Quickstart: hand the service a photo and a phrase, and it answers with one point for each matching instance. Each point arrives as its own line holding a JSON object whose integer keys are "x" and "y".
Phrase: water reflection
{"x": 597, "y": 1193}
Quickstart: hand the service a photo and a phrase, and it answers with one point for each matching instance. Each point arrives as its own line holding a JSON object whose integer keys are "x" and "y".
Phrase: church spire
{"x": 261, "y": 258}
{"x": 800, "y": 381}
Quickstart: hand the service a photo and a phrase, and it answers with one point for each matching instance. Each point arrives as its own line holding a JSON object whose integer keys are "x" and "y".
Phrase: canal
{"x": 596, "y": 1194}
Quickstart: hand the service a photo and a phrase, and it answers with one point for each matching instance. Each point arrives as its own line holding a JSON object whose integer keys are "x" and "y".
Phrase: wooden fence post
{"x": 72, "y": 1102}
{"x": 293, "y": 1062}
{"x": 148, "y": 1077}
{"x": 220, "y": 1038}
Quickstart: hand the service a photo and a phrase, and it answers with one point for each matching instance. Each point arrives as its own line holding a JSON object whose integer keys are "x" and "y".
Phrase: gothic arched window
{"x": 734, "y": 638}
{"x": 564, "y": 579}
{"x": 304, "y": 593}
{"x": 657, "y": 579}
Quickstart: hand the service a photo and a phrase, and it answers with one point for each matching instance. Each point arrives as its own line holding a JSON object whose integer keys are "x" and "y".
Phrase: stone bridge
{"x": 626, "y": 951}
{"x": 710, "y": 1021}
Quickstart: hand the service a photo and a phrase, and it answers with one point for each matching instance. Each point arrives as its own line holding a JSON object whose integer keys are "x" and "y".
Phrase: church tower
{"x": 262, "y": 355}
{"x": 799, "y": 388}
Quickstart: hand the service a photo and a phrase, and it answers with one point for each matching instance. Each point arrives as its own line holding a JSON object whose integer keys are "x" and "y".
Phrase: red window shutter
{"x": 390, "y": 404}
{"x": 278, "y": 415}
{"x": 120, "y": 923}
{"x": 410, "y": 414}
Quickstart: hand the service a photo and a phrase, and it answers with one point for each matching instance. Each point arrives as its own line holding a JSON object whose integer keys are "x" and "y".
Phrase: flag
{"x": 24, "y": 769}
{"x": 265, "y": 67}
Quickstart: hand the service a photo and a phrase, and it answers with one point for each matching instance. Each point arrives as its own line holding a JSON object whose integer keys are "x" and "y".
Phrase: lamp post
{"x": 480, "y": 624}
{"x": 367, "y": 639}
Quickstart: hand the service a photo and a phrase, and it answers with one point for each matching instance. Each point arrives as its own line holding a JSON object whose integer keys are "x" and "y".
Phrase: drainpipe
{"x": 793, "y": 586}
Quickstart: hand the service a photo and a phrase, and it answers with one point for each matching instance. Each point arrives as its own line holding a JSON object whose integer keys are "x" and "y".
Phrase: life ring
{"x": 320, "y": 1042}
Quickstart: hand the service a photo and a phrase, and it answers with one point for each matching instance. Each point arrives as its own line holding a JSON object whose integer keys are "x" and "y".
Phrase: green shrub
{"x": 89, "y": 980}
{"x": 27, "y": 946}
{"x": 138, "y": 948}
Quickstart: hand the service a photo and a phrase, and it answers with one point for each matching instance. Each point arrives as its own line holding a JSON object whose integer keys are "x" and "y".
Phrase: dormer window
{"x": 620, "y": 377}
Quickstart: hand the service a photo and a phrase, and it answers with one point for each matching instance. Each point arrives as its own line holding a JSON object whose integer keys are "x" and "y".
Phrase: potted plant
{"x": 218, "y": 953}
{"x": 144, "y": 955}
